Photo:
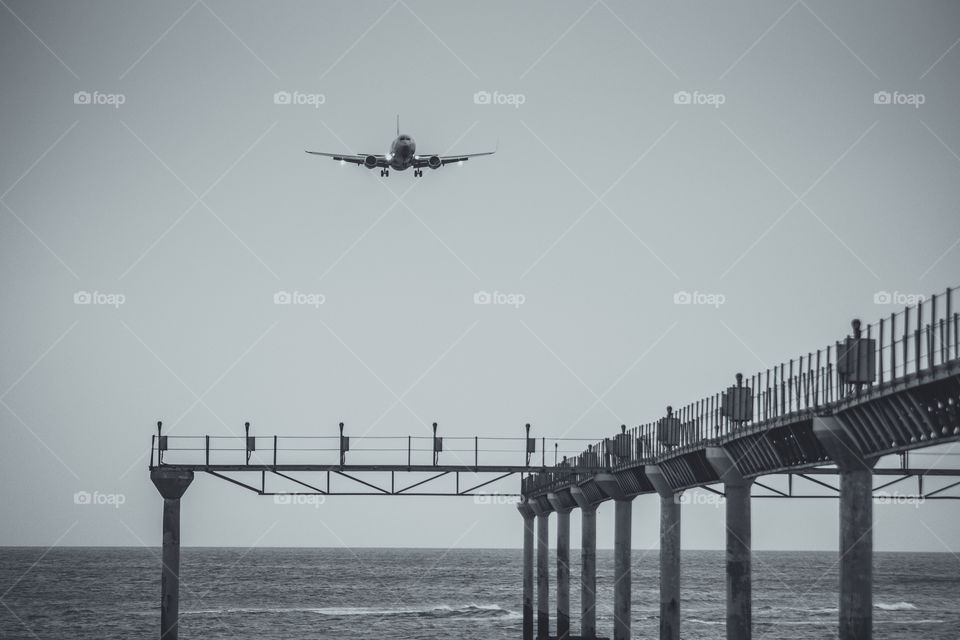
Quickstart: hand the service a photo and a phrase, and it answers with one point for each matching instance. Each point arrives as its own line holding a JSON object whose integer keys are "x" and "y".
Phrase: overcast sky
{"x": 147, "y": 160}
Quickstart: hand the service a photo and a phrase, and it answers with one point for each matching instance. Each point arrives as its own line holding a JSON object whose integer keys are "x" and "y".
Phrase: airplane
{"x": 402, "y": 156}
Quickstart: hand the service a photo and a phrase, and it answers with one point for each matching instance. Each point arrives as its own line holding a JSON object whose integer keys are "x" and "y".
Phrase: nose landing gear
{"x": 384, "y": 173}
{"x": 418, "y": 173}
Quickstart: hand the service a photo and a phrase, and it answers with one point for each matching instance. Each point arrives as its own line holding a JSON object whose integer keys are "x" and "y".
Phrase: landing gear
{"x": 418, "y": 173}
{"x": 384, "y": 173}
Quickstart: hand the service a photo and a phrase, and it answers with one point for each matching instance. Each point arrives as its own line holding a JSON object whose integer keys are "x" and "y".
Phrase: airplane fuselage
{"x": 402, "y": 152}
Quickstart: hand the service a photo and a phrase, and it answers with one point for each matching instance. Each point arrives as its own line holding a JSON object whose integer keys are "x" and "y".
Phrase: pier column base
{"x": 171, "y": 485}
{"x": 588, "y": 564}
{"x": 528, "y": 518}
{"x": 669, "y": 568}
{"x": 563, "y": 575}
{"x": 739, "y": 577}
{"x": 856, "y": 554}
{"x": 543, "y": 573}
{"x": 669, "y": 554}
{"x": 739, "y": 570}
{"x": 856, "y": 526}
{"x": 623, "y": 517}
{"x": 563, "y": 503}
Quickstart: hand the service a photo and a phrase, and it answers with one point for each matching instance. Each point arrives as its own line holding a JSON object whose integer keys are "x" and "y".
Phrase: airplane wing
{"x": 381, "y": 160}
{"x": 422, "y": 160}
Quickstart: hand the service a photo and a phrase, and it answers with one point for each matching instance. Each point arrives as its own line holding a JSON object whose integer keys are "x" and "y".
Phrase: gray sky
{"x": 797, "y": 198}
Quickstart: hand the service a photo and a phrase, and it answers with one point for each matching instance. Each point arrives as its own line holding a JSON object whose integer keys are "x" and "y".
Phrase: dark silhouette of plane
{"x": 402, "y": 156}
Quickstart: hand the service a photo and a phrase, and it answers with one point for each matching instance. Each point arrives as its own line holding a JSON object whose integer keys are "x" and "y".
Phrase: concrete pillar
{"x": 669, "y": 554}
{"x": 623, "y": 516}
{"x": 588, "y": 573}
{"x": 171, "y": 485}
{"x": 563, "y": 503}
{"x": 856, "y": 526}
{"x": 856, "y": 554}
{"x": 528, "y": 518}
{"x": 669, "y": 568}
{"x": 543, "y": 575}
{"x": 739, "y": 571}
{"x": 739, "y": 577}
{"x": 563, "y": 575}
{"x": 588, "y": 564}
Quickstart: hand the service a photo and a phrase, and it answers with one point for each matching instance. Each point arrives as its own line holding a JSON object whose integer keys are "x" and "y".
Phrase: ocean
{"x": 429, "y": 594}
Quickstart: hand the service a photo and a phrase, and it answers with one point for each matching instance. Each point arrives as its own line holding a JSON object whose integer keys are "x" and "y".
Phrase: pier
{"x": 881, "y": 391}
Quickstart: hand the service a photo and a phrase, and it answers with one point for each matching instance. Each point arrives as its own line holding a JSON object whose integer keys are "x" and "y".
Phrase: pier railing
{"x": 904, "y": 345}
{"x": 369, "y": 451}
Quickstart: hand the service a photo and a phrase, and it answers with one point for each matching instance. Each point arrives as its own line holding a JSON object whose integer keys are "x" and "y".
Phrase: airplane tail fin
{"x": 398, "y": 124}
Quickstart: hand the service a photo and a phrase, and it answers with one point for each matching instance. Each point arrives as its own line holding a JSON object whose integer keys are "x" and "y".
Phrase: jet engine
{"x": 370, "y": 162}
{"x": 434, "y": 162}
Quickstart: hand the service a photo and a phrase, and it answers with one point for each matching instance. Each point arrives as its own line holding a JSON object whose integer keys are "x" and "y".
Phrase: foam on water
{"x": 896, "y": 606}
{"x": 477, "y": 611}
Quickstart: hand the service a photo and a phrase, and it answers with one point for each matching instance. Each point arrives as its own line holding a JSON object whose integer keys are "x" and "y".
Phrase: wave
{"x": 768, "y": 611}
{"x": 896, "y": 606}
{"x": 883, "y": 606}
{"x": 473, "y": 611}
{"x": 468, "y": 611}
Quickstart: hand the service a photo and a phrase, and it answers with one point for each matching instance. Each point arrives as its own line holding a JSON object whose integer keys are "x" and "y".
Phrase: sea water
{"x": 429, "y": 594}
